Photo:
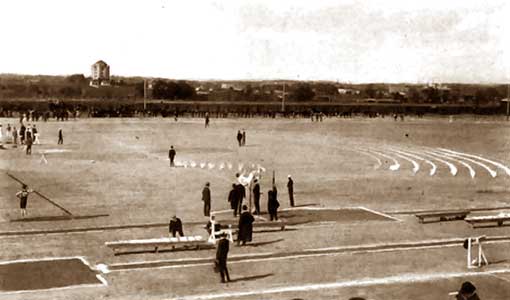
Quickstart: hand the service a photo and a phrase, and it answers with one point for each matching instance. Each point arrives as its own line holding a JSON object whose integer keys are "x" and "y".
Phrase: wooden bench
{"x": 496, "y": 220}
{"x": 156, "y": 244}
{"x": 440, "y": 216}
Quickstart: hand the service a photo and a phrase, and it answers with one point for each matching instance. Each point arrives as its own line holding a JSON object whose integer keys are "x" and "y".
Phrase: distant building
{"x": 100, "y": 74}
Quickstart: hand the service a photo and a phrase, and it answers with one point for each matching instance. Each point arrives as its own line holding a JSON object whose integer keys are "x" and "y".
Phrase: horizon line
{"x": 269, "y": 79}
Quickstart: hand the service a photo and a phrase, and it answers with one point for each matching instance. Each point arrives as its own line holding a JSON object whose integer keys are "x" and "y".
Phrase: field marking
{"x": 433, "y": 167}
{"x": 416, "y": 166}
{"x": 379, "y": 162}
{"x": 491, "y": 171}
{"x": 495, "y": 163}
{"x": 84, "y": 285}
{"x": 452, "y": 167}
{"x": 365, "y": 282}
{"x": 378, "y": 213}
{"x": 395, "y": 166}
{"x": 7, "y": 262}
{"x": 472, "y": 172}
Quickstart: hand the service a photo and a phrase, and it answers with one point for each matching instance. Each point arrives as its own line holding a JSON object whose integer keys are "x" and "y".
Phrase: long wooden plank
{"x": 42, "y": 196}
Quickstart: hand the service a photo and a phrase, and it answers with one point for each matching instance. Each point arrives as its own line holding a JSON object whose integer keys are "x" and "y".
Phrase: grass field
{"x": 112, "y": 175}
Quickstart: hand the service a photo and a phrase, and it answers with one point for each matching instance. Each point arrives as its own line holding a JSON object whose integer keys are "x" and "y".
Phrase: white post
{"x": 469, "y": 254}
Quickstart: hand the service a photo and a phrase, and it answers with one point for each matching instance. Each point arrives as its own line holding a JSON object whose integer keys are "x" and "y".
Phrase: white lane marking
{"x": 222, "y": 166}
{"x": 379, "y": 162}
{"x": 395, "y": 166}
{"x": 7, "y": 262}
{"x": 366, "y": 282}
{"x": 491, "y": 171}
{"x": 468, "y": 166}
{"x": 452, "y": 167}
{"x": 102, "y": 279}
{"x": 416, "y": 166}
{"x": 495, "y": 163}
{"x": 378, "y": 213}
{"x": 193, "y": 164}
{"x": 55, "y": 289}
{"x": 202, "y": 165}
{"x": 229, "y": 165}
{"x": 433, "y": 167}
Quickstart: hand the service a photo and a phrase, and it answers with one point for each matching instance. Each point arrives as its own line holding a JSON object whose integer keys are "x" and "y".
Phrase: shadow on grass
{"x": 58, "y": 218}
{"x": 250, "y": 278}
{"x": 263, "y": 243}
{"x": 176, "y": 249}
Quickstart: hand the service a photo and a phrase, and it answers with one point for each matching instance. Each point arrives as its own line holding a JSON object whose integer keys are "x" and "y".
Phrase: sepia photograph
{"x": 257, "y": 149}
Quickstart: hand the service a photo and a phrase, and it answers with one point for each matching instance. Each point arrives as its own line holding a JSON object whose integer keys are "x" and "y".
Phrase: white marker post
{"x": 476, "y": 263}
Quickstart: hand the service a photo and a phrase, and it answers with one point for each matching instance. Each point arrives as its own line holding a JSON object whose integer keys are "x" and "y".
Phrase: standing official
{"x": 221, "y": 257}
{"x": 240, "y": 194}
{"x": 272, "y": 204}
{"x": 232, "y": 199}
{"x": 206, "y": 198}
{"x": 245, "y": 226}
{"x": 256, "y": 196}
{"x": 290, "y": 188}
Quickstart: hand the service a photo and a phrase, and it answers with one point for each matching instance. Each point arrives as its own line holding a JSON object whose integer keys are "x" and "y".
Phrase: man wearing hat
{"x": 175, "y": 226}
{"x": 290, "y": 187}
{"x": 221, "y": 257}
{"x": 23, "y": 199}
{"x": 206, "y": 198}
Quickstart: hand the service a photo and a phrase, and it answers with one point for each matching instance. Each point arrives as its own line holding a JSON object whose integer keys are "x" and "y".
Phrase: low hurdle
{"x": 170, "y": 243}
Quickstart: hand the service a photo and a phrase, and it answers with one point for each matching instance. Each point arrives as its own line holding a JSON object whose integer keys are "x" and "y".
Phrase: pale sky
{"x": 347, "y": 41}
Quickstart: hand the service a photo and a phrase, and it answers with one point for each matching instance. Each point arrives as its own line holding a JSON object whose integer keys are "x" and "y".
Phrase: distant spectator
{"x": 60, "y": 137}
{"x": 171, "y": 156}
{"x": 244, "y": 138}
{"x": 239, "y": 138}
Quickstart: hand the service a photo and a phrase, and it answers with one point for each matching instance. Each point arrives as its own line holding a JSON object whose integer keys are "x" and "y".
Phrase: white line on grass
{"x": 55, "y": 289}
{"x": 433, "y": 167}
{"x": 365, "y": 282}
{"x": 416, "y": 166}
{"x": 472, "y": 172}
{"x": 495, "y": 163}
{"x": 379, "y": 162}
{"x": 395, "y": 166}
{"x": 7, "y": 262}
{"x": 491, "y": 171}
{"x": 378, "y": 213}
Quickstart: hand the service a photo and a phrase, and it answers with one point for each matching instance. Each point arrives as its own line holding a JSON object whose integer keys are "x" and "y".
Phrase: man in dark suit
{"x": 206, "y": 198}
{"x": 245, "y": 226}
{"x": 171, "y": 155}
{"x": 290, "y": 187}
{"x": 175, "y": 226}
{"x": 256, "y": 196}
{"x": 232, "y": 199}
{"x": 273, "y": 204}
{"x": 241, "y": 194}
{"x": 221, "y": 257}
